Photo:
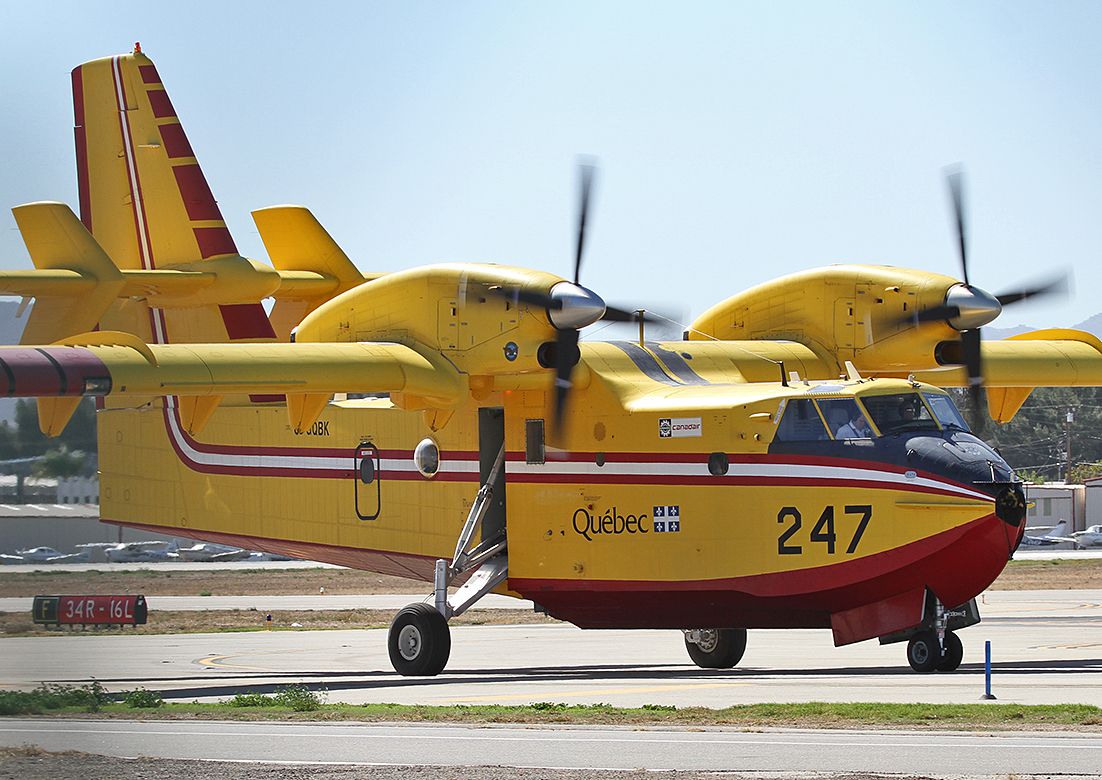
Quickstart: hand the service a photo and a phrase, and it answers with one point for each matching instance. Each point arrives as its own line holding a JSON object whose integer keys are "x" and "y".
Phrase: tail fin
{"x": 313, "y": 266}
{"x": 1061, "y": 529}
{"x": 73, "y": 300}
{"x": 145, "y": 199}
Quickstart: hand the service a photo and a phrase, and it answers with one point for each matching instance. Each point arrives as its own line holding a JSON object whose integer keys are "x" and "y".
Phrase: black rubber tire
{"x": 952, "y": 653}
{"x": 729, "y": 647}
{"x": 924, "y": 652}
{"x": 419, "y": 641}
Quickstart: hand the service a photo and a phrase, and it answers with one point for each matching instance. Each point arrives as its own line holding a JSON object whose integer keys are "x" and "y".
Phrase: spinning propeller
{"x": 570, "y": 307}
{"x": 968, "y": 308}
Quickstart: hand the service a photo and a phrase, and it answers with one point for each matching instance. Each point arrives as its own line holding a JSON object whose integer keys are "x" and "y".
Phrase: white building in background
{"x": 1055, "y": 501}
{"x": 1093, "y": 501}
{"x": 78, "y": 490}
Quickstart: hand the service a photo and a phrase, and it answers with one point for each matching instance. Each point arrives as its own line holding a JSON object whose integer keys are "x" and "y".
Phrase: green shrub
{"x": 53, "y": 697}
{"x": 298, "y": 698}
{"x": 141, "y": 699}
{"x": 251, "y": 700}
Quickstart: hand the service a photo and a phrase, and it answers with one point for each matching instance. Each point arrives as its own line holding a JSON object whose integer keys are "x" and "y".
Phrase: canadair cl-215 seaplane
{"x": 792, "y": 463}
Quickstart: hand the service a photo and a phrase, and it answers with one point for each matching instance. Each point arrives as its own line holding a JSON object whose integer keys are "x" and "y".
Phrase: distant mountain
{"x": 1090, "y": 325}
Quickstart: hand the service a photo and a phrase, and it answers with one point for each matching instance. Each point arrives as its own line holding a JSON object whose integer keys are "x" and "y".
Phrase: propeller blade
{"x": 973, "y": 364}
{"x": 955, "y": 180}
{"x": 566, "y": 357}
{"x": 615, "y": 314}
{"x": 1055, "y": 286}
{"x": 586, "y": 173}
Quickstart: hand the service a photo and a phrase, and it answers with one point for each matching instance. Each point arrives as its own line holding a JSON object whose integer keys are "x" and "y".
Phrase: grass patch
{"x": 53, "y": 698}
{"x": 298, "y": 702}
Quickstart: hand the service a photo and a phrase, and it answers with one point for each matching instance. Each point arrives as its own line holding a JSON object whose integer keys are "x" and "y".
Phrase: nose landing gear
{"x": 933, "y": 644}
{"x": 925, "y": 654}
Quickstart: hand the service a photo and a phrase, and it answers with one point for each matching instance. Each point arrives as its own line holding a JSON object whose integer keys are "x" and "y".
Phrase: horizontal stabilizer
{"x": 75, "y": 282}
{"x": 312, "y": 266}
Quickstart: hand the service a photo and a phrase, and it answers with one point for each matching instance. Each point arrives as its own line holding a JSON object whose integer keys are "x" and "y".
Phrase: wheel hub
{"x": 410, "y": 643}
{"x": 921, "y": 652}
{"x": 704, "y": 638}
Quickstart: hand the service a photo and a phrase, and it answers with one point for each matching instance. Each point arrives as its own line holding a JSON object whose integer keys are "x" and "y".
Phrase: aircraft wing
{"x": 1012, "y": 367}
{"x": 112, "y": 363}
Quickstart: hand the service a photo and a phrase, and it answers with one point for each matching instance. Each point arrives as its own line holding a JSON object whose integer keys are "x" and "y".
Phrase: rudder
{"x": 145, "y": 199}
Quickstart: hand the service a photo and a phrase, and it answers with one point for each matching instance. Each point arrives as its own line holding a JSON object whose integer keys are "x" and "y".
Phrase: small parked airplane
{"x": 209, "y": 551}
{"x": 1054, "y": 535}
{"x": 142, "y": 552}
{"x": 1089, "y": 538}
{"x": 45, "y": 555}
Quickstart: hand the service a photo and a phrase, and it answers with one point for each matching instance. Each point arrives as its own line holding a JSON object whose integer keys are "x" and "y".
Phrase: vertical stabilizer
{"x": 145, "y": 199}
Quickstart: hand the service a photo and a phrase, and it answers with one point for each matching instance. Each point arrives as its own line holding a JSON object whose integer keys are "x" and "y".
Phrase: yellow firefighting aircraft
{"x": 792, "y": 463}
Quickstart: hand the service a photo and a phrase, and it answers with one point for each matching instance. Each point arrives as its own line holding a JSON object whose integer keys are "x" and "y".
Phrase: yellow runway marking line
{"x": 215, "y": 661}
{"x": 598, "y": 691}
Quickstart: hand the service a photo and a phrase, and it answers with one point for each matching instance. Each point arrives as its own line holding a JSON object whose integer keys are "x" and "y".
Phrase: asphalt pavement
{"x": 928, "y": 753}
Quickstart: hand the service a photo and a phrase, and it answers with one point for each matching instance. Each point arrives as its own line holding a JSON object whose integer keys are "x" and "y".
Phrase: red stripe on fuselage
{"x": 956, "y": 564}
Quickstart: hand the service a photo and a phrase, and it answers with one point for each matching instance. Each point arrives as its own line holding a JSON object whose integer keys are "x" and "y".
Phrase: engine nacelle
{"x": 861, "y": 313}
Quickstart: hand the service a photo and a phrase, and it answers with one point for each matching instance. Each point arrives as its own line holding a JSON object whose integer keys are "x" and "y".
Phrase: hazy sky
{"x": 737, "y": 141}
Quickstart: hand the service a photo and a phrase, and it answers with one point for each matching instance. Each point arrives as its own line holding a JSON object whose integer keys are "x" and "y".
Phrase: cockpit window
{"x": 903, "y": 412}
{"x": 945, "y": 411}
{"x": 845, "y": 418}
{"x": 801, "y": 422}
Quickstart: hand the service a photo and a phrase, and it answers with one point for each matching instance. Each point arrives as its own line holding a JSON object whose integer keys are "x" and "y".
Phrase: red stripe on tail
{"x": 81, "y": 140}
{"x": 198, "y": 199}
{"x": 247, "y": 321}
{"x": 162, "y": 106}
{"x": 176, "y": 142}
{"x": 215, "y": 241}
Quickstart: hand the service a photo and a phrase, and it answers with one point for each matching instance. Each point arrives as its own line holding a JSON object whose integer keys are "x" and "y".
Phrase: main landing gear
{"x": 419, "y": 641}
{"x": 715, "y": 648}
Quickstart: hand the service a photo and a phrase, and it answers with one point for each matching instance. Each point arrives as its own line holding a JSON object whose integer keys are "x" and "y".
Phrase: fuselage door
{"x": 368, "y": 476}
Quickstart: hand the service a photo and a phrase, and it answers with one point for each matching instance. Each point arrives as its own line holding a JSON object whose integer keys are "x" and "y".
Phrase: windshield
{"x": 801, "y": 422}
{"x": 845, "y": 418}
{"x": 946, "y": 411}
{"x": 902, "y": 412}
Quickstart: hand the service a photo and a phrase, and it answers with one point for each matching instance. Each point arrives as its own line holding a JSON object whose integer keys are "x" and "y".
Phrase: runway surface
{"x": 602, "y": 748}
{"x": 1047, "y": 648}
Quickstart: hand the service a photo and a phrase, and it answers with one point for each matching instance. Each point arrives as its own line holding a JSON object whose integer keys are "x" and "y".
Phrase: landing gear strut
{"x": 419, "y": 641}
{"x": 716, "y": 648}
